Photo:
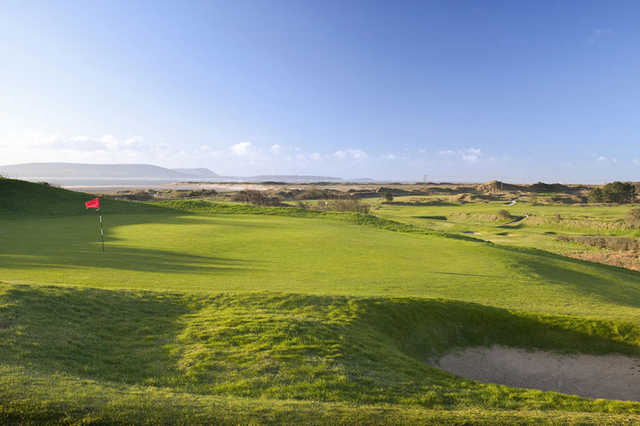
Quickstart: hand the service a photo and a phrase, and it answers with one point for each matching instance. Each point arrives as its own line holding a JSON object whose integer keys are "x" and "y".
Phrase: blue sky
{"x": 519, "y": 91}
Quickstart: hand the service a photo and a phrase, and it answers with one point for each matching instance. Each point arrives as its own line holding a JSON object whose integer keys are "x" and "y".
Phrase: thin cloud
{"x": 598, "y": 35}
{"x": 275, "y": 149}
{"x": 242, "y": 149}
{"x": 355, "y": 154}
{"x": 603, "y": 159}
{"x": 468, "y": 155}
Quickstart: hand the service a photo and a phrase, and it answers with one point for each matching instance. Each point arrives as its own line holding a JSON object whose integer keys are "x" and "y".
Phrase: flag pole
{"x": 101, "y": 230}
{"x": 95, "y": 204}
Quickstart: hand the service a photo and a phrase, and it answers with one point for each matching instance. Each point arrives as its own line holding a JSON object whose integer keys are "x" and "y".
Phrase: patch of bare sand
{"x": 592, "y": 376}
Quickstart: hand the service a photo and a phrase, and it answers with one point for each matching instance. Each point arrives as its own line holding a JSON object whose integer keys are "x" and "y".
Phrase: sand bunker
{"x": 593, "y": 376}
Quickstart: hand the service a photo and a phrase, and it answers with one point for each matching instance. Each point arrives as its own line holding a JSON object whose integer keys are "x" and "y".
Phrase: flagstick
{"x": 101, "y": 231}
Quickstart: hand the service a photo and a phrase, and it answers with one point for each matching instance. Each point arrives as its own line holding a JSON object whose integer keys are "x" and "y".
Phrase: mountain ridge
{"x": 61, "y": 170}
{"x": 85, "y": 170}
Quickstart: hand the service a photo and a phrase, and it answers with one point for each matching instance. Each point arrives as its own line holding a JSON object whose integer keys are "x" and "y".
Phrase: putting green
{"x": 238, "y": 253}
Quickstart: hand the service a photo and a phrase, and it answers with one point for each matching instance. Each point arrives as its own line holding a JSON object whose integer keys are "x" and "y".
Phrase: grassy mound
{"x": 22, "y": 198}
{"x": 267, "y": 346}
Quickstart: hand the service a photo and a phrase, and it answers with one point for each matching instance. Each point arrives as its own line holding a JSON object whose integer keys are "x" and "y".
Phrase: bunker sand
{"x": 593, "y": 376}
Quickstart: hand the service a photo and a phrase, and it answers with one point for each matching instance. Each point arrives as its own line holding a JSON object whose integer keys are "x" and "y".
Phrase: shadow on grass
{"x": 512, "y": 225}
{"x": 466, "y": 275}
{"x": 65, "y": 243}
{"x": 618, "y": 291}
{"x": 113, "y": 335}
{"x": 127, "y": 258}
{"x": 431, "y": 217}
{"x": 424, "y": 328}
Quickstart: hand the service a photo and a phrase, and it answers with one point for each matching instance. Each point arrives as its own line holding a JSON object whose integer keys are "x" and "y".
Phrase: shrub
{"x": 504, "y": 214}
{"x": 302, "y": 205}
{"x": 633, "y": 218}
{"x": 614, "y": 192}
{"x": 596, "y": 196}
{"x": 196, "y": 193}
{"x": 257, "y": 198}
{"x": 611, "y": 243}
{"x": 388, "y": 195}
{"x": 135, "y": 196}
{"x": 343, "y": 206}
{"x": 548, "y": 187}
{"x": 312, "y": 194}
{"x": 619, "y": 192}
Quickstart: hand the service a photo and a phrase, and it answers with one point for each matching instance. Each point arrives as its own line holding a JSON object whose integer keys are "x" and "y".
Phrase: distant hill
{"x": 64, "y": 172}
{"x": 76, "y": 170}
{"x": 362, "y": 180}
{"x": 290, "y": 178}
{"x": 200, "y": 173}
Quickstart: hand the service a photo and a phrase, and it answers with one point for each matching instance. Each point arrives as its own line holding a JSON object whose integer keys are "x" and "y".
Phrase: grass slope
{"x": 77, "y": 343}
{"x": 20, "y": 198}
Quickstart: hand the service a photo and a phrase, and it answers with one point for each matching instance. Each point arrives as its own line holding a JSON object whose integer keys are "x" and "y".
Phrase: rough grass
{"x": 70, "y": 350}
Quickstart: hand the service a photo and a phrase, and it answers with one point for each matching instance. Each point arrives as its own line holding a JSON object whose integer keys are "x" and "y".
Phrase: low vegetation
{"x": 257, "y": 198}
{"x": 350, "y": 205}
{"x": 633, "y": 218}
{"x": 612, "y": 243}
{"x": 504, "y": 214}
{"x": 614, "y": 192}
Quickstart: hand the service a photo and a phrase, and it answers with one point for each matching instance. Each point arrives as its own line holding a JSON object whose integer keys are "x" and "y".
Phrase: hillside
{"x": 22, "y": 198}
{"x": 202, "y": 173}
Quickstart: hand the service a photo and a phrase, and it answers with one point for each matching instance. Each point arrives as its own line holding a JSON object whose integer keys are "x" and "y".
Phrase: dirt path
{"x": 593, "y": 376}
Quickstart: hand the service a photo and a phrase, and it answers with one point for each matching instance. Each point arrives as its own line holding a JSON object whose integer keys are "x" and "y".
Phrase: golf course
{"x": 208, "y": 312}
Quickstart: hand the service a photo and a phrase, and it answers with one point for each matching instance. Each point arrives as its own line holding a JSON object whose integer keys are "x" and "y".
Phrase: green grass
{"x": 75, "y": 347}
{"x": 20, "y": 198}
{"x": 239, "y": 253}
{"x": 539, "y": 230}
{"x": 200, "y": 312}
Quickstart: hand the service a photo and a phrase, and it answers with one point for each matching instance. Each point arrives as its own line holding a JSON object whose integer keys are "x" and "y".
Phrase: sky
{"x": 455, "y": 90}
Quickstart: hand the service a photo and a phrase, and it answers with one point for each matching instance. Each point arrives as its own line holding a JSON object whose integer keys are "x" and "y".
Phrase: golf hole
{"x": 593, "y": 376}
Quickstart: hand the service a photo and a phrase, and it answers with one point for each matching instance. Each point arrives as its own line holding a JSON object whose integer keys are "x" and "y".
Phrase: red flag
{"x": 93, "y": 204}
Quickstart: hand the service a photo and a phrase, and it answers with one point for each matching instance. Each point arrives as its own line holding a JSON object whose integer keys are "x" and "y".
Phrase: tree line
{"x": 614, "y": 192}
